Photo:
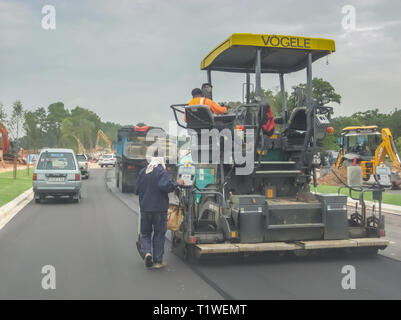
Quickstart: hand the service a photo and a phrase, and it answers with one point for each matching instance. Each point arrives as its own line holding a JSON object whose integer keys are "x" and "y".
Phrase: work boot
{"x": 148, "y": 260}
{"x": 159, "y": 265}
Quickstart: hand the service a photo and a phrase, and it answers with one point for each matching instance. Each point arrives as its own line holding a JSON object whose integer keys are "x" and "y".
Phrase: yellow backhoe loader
{"x": 368, "y": 147}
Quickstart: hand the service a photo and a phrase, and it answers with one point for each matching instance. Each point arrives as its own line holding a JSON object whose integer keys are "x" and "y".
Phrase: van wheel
{"x": 37, "y": 197}
{"x": 77, "y": 198}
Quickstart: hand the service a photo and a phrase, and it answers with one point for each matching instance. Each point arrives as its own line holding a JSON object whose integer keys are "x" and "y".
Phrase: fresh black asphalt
{"x": 92, "y": 247}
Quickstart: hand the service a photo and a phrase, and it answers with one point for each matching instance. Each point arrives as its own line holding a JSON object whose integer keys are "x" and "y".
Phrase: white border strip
{"x": 10, "y": 209}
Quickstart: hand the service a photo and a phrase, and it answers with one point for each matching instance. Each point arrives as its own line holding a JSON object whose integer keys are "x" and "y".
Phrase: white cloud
{"x": 129, "y": 60}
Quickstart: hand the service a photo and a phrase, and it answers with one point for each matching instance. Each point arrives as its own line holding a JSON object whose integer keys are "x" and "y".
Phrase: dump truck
{"x": 132, "y": 151}
{"x": 270, "y": 209}
{"x": 368, "y": 147}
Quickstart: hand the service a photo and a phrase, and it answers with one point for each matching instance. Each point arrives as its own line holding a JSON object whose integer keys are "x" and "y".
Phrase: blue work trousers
{"x": 156, "y": 223}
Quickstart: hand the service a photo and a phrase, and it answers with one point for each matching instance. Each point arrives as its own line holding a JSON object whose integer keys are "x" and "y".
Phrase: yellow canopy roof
{"x": 280, "y": 53}
{"x": 369, "y": 128}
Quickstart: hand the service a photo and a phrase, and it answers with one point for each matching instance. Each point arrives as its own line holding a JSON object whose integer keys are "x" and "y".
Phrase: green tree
{"x": 33, "y": 136}
{"x": 322, "y": 91}
{"x": 55, "y": 115}
{"x": 87, "y": 124}
{"x": 16, "y": 121}
{"x": 68, "y": 136}
{"x": 398, "y": 144}
{"x": 3, "y": 114}
{"x": 35, "y": 129}
{"x": 110, "y": 129}
{"x": 330, "y": 142}
{"x": 272, "y": 97}
{"x": 393, "y": 122}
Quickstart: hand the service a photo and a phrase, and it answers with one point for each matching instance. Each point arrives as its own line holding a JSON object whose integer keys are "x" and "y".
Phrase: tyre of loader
{"x": 366, "y": 178}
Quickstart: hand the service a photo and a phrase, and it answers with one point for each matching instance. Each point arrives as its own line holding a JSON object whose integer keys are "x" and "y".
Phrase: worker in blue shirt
{"x": 153, "y": 185}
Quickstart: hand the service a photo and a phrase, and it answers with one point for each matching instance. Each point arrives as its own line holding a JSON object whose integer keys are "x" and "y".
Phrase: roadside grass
{"x": 388, "y": 198}
{"x": 10, "y": 188}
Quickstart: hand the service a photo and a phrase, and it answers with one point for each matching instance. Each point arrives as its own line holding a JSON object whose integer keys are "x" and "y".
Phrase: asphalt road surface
{"x": 92, "y": 247}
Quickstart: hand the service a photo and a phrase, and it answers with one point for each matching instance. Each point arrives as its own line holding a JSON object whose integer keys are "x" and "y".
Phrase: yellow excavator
{"x": 368, "y": 147}
{"x": 101, "y": 134}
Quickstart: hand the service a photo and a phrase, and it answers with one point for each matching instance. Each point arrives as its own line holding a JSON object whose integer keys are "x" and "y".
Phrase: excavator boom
{"x": 101, "y": 134}
{"x": 387, "y": 147}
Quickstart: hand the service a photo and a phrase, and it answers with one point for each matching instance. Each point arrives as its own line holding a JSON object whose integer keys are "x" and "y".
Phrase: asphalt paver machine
{"x": 271, "y": 207}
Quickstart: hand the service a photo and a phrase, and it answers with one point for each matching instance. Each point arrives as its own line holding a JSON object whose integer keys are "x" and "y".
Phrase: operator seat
{"x": 296, "y": 129}
{"x": 199, "y": 117}
{"x": 297, "y": 121}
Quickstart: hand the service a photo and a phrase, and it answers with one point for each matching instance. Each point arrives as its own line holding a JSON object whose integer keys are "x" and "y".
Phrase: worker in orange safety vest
{"x": 199, "y": 99}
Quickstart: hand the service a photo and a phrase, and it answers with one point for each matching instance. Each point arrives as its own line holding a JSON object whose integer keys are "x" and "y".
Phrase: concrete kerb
{"x": 386, "y": 208}
{"x": 10, "y": 209}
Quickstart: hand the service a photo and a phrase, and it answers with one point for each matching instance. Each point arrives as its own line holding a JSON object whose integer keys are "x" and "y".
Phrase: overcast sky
{"x": 128, "y": 60}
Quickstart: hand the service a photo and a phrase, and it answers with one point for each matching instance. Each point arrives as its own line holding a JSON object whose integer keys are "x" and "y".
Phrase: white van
{"x": 57, "y": 174}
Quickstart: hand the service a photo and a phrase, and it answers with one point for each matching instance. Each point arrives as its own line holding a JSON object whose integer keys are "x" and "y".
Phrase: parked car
{"x": 83, "y": 163}
{"x": 106, "y": 160}
{"x": 57, "y": 174}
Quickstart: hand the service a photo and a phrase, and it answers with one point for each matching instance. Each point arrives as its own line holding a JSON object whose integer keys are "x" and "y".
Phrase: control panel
{"x": 383, "y": 175}
{"x": 186, "y": 172}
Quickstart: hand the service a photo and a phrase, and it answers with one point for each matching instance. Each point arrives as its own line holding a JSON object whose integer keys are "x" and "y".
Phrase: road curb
{"x": 10, "y": 209}
{"x": 386, "y": 208}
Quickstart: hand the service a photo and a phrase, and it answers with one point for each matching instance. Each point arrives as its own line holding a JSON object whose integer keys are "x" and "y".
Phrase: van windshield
{"x": 56, "y": 161}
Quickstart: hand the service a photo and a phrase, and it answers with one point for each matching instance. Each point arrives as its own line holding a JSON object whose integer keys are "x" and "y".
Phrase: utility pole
{"x": 15, "y": 166}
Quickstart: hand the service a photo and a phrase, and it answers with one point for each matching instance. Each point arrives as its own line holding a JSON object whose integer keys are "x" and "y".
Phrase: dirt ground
{"x": 331, "y": 180}
{"x": 10, "y": 166}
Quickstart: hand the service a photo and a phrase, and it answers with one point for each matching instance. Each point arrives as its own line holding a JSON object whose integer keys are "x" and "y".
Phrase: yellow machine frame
{"x": 101, "y": 134}
{"x": 386, "y": 147}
